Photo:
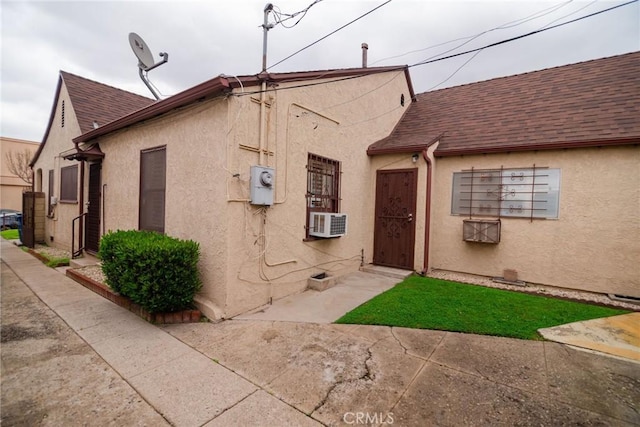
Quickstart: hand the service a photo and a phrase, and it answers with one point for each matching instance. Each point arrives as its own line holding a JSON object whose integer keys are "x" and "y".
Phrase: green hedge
{"x": 155, "y": 271}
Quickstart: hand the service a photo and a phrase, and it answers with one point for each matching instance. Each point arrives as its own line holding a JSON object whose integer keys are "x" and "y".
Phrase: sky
{"x": 207, "y": 38}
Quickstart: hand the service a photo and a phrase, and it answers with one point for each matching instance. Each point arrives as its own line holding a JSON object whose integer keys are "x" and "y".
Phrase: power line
{"x": 572, "y": 13}
{"x": 278, "y": 14}
{"x": 469, "y": 39}
{"x": 330, "y": 34}
{"x": 430, "y": 61}
{"x": 520, "y": 21}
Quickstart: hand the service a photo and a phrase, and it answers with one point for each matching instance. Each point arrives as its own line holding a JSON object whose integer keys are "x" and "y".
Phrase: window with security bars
{"x": 522, "y": 192}
{"x": 323, "y": 185}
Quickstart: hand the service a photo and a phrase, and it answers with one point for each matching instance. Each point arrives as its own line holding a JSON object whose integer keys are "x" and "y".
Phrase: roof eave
{"x": 538, "y": 147}
{"x": 46, "y": 133}
{"x": 208, "y": 88}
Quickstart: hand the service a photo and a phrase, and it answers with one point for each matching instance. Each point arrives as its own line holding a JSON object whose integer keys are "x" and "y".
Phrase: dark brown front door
{"x": 395, "y": 231}
{"x": 92, "y": 222}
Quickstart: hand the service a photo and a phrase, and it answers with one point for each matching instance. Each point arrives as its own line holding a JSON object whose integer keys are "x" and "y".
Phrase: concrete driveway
{"x": 87, "y": 361}
{"x": 336, "y": 373}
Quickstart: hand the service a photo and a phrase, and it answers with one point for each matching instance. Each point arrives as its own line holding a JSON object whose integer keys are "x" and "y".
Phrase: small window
{"x": 323, "y": 185}
{"x": 50, "y": 193}
{"x": 152, "y": 188}
{"x": 524, "y": 192}
{"x": 69, "y": 184}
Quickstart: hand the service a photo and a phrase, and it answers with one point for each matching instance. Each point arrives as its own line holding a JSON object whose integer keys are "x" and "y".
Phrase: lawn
{"x": 10, "y": 234}
{"x": 426, "y": 303}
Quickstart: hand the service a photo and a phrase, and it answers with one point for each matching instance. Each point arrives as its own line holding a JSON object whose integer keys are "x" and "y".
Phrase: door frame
{"x": 90, "y": 207}
{"x": 413, "y": 211}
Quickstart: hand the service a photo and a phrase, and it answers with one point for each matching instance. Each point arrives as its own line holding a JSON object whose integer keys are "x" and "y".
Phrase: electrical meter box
{"x": 263, "y": 180}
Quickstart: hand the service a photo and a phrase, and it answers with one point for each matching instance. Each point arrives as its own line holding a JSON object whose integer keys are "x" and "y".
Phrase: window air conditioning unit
{"x": 483, "y": 231}
{"x": 327, "y": 224}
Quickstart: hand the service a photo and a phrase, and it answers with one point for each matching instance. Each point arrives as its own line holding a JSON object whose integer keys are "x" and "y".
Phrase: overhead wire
{"x": 330, "y": 34}
{"x": 569, "y": 14}
{"x": 470, "y": 38}
{"x": 521, "y": 36}
{"x": 278, "y": 14}
{"x": 502, "y": 27}
{"x": 433, "y": 60}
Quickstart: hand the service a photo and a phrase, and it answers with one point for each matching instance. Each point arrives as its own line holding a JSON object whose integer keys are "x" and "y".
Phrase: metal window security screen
{"x": 522, "y": 192}
{"x": 323, "y": 176}
{"x": 152, "y": 189}
{"x": 69, "y": 184}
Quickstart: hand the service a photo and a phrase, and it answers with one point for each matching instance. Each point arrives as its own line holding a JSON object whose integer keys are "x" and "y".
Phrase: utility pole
{"x": 265, "y": 29}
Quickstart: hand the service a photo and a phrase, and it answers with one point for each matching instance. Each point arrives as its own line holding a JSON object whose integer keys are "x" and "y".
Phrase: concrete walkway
{"x": 617, "y": 335}
{"x": 327, "y": 306}
{"x": 247, "y": 372}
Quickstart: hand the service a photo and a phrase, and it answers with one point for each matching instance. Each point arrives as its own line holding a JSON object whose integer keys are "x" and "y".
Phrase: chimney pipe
{"x": 365, "y": 47}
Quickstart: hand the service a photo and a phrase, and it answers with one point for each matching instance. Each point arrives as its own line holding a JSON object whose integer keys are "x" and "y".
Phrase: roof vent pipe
{"x": 365, "y": 47}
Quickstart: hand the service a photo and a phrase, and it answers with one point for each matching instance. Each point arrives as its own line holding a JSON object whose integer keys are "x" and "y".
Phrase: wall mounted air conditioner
{"x": 326, "y": 224}
{"x": 482, "y": 231}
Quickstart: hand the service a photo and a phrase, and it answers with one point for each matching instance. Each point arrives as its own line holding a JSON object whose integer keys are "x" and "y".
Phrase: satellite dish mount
{"x": 145, "y": 60}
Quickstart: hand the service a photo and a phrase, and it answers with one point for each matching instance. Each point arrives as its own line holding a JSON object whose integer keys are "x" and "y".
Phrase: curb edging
{"x": 184, "y": 316}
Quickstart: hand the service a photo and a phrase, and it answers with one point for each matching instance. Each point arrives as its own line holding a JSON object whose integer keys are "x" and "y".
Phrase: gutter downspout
{"x": 427, "y": 224}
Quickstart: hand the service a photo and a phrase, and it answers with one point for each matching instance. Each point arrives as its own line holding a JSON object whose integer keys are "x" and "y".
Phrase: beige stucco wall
{"x": 11, "y": 186}
{"x": 339, "y": 121}
{"x": 59, "y": 140}
{"x": 251, "y": 254}
{"x": 594, "y": 245}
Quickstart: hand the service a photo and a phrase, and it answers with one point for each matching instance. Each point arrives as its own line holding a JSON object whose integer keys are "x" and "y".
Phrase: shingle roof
{"x": 223, "y": 84}
{"x": 93, "y": 101}
{"x": 590, "y": 103}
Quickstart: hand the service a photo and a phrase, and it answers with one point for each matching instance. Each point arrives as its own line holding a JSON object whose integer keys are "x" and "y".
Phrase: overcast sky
{"x": 207, "y": 38}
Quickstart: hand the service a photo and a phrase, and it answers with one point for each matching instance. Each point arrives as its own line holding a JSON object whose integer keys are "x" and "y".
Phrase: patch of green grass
{"x": 56, "y": 262}
{"x": 11, "y": 234}
{"x": 426, "y": 303}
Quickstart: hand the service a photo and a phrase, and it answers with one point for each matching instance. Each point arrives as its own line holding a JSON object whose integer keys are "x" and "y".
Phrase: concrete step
{"x": 84, "y": 261}
{"x": 395, "y": 273}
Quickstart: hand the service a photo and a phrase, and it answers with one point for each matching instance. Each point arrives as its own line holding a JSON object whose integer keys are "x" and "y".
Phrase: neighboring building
{"x": 79, "y": 105}
{"x": 191, "y": 166}
{"x": 11, "y": 185}
{"x": 534, "y": 176}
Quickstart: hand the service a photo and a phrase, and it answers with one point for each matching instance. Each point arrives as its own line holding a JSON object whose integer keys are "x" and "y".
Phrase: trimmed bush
{"x": 157, "y": 272}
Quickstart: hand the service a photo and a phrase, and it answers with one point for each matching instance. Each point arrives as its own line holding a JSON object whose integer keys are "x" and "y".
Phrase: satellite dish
{"x": 142, "y": 51}
{"x": 145, "y": 60}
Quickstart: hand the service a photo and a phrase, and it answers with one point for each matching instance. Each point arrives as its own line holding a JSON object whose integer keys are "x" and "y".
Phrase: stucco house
{"x": 250, "y": 167}
{"x": 533, "y": 177}
{"x": 11, "y": 185}
{"x": 79, "y": 105}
